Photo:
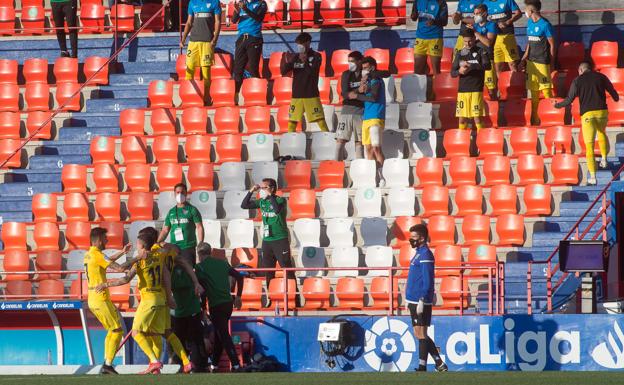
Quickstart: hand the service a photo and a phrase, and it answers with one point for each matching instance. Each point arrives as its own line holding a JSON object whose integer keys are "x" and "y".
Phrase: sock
{"x": 156, "y": 345}
{"x": 423, "y": 350}
{"x": 146, "y": 346}
{"x": 433, "y": 351}
{"x": 322, "y": 125}
{"x": 111, "y": 342}
{"x": 534, "y": 105}
{"x": 205, "y": 71}
{"x": 178, "y": 349}
{"x": 462, "y": 126}
{"x": 338, "y": 151}
{"x": 359, "y": 151}
{"x": 292, "y": 126}
{"x": 479, "y": 126}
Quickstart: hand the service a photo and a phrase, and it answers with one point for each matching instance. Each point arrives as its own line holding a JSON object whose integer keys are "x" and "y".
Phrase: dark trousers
{"x": 220, "y": 317}
{"x": 248, "y": 51}
{"x": 62, "y": 11}
{"x": 189, "y": 331}
{"x": 274, "y": 252}
{"x": 175, "y": 7}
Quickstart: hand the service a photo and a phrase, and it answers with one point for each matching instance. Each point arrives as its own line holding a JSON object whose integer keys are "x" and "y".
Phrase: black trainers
{"x": 65, "y": 54}
{"x": 108, "y": 369}
{"x": 441, "y": 367}
{"x": 421, "y": 369}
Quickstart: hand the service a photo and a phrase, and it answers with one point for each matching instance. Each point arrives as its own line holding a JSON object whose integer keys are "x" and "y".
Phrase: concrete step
{"x": 64, "y": 147}
{"x": 29, "y": 175}
{"x": 166, "y": 67}
{"x": 95, "y": 119}
{"x": 23, "y": 189}
{"x": 142, "y": 79}
{"x": 86, "y": 133}
{"x": 124, "y": 92}
{"x": 16, "y": 216}
{"x": 56, "y": 162}
{"x": 116, "y": 105}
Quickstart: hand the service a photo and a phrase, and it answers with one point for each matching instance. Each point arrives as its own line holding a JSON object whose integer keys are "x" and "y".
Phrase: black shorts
{"x": 422, "y": 319}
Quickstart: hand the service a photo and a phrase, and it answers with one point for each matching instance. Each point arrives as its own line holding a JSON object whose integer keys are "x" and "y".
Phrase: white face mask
{"x": 301, "y": 48}
{"x": 352, "y": 67}
{"x": 180, "y": 198}
{"x": 478, "y": 19}
{"x": 264, "y": 193}
{"x": 365, "y": 72}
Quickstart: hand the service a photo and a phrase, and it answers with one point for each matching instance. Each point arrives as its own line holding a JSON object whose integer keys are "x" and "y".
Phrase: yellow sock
{"x": 323, "y": 125}
{"x": 178, "y": 349}
{"x": 292, "y": 126}
{"x": 462, "y": 126}
{"x": 156, "y": 345}
{"x": 146, "y": 345}
{"x": 111, "y": 343}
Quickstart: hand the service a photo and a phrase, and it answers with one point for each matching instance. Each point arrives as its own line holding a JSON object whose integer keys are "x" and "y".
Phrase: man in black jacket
{"x": 248, "y": 14}
{"x": 350, "y": 122}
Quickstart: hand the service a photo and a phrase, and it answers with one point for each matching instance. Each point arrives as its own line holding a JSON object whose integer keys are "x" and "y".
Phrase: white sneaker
{"x": 382, "y": 183}
{"x": 591, "y": 181}
{"x": 603, "y": 163}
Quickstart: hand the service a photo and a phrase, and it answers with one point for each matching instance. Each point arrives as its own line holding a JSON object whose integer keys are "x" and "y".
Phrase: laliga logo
{"x": 389, "y": 345}
{"x": 610, "y": 358}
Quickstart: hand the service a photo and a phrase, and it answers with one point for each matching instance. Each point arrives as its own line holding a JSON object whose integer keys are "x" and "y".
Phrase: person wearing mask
{"x": 464, "y": 16}
{"x": 504, "y": 13}
{"x": 539, "y": 56}
{"x": 485, "y": 32}
{"x": 184, "y": 223}
{"x": 248, "y": 52}
{"x": 591, "y": 87}
{"x": 214, "y": 274}
{"x": 66, "y": 10}
{"x": 305, "y": 66}
{"x": 432, "y": 16}
{"x": 350, "y": 122}
{"x": 204, "y": 25}
{"x": 419, "y": 295}
{"x": 470, "y": 65}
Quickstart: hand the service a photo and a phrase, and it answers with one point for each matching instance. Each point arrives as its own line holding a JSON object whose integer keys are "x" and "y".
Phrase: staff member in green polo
{"x": 185, "y": 224}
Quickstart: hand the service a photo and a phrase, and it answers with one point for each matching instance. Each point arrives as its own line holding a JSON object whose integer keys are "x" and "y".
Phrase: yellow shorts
{"x": 430, "y": 47}
{"x": 469, "y": 105}
{"x": 538, "y": 76}
{"x": 151, "y": 315}
{"x": 199, "y": 54}
{"x": 505, "y": 49}
{"x": 311, "y": 106}
{"x": 459, "y": 45}
{"x": 366, "y": 125}
{"x": 594, "y": 121}
{"x": 106, "y": 313}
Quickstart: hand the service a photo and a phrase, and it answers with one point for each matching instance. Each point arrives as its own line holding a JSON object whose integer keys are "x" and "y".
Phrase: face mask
{"x": 301, "y": 48}
{"x": 478, "y": 19}
{"x": 263, "y": 193}
{"x": 180, "y": 198}
{"x": 352, "y": 67}
{"x": 365, "y": 72}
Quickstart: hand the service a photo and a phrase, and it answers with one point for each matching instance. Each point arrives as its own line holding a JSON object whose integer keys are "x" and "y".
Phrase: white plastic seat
{"x": 414, "y": 88}
{"x": 393, "y": 116}
{"x": 293, "y": 144}
{"x": 261, "y": 170}
{"x": 401, "y": 201}
{"x": 109, "y": 253}
{"x": 373, "y": 231}
{"x": 340, "y": 232}
{"x": 419, "y": 115}
{"x": 378, "y": 256}
{"x": 232, "y": 205}
{"x": 396, "y": 172}
{"x": 362, "y": 173}
{"x": 240, "y": 233}
{"x": 75, "y": 262}
{"x": 367, "y": 202}
{"x": 311, "y": 256}
{"x": 390, "y": 87}
{"x": 423, "y": 143}
{"x": 335, "y": 203}
{"x": 206, "y": 203}
{"x": 212, "y": 233}
{"x": 260, "y": 148}
{"x": 307, "y": 232}
{"x": 330, "y": 117}
{"x": 323, "y": 146}
{"x": 232, "y": 176}
{"x": 166, "y": 200}
{"x": 135, "y": 227}
{"x": 393, "y": 144}
{"x": 345, "y": 257}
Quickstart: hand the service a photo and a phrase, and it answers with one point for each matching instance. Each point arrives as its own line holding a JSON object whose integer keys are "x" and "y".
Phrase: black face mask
{"x": 414, "y": 243}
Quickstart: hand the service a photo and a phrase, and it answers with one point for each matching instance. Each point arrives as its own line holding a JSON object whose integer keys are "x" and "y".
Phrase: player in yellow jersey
{"x": 96, "y": 264}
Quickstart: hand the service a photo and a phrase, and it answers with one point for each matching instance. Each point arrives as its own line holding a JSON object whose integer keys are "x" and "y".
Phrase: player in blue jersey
{"x": 432, "y": 16}
{"x": 504, "y": 13}
{"x": 248, "y": 53}
{"x": 464, "y": 16}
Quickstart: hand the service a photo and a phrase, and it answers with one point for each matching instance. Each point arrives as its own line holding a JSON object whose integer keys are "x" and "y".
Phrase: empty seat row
{"x": 11, "y": 125}
{"x": 37, "y": 97}
{"x": 65, "y": 70}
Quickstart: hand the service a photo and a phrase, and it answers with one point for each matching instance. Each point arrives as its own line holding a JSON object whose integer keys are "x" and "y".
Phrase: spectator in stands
{"x": 464, "y": 16}
{"x": 539, "y": 56}
{"x": 175, "y": 8}
{"x": 204, "y": 25}
{"x": 66, "y": 10}
{"x": 432, "y": 16}
{"x": 249, "y": 15}
{"x": 305, "y": 66}
{"x": 214, "y": 274}
{"x": 470, "y": 65}
{"x": 485, "y": 32}
{"x": 352, "y": 109}
{"x": 373, "y": 93}
{"x": 504, "y": 13}
{"x": 590, "y": 87}
{"x": 419, "y": 294}
{"x": 185, "y": 224}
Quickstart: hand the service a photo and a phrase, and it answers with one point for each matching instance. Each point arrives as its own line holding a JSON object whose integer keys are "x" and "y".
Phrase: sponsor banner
{"x": 37, "y": 305}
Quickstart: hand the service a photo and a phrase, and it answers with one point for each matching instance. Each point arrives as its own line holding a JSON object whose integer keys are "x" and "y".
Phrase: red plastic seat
{"x": 282, "y": 90}
{"x": 77, "y": 236}
{"x": 530, "y": 169}
{"x": 105, "y": 178}
{"x": 222, "y": 67}
{"x": 570, "y": 54}
{"x": 9, "y": 125}
{"x": 448, "y": 260}
{"x": 68, "y": 96}
{"x": 511, "y": 85}
{"x": 141, "y": 206}
{"x": 382, "y": 56}
{"x": 160, "y": 94}
{"x": 44, "y": 207}
{"x": 429, "y": 171}
{"x": 148, "y": 10}
{"x": 476, "y": 229}
{"x": 274, "y": 17}
{"x": 380, "y": 292}
{"x": 456, "y": 143}
{"x": 14, "y": 235}
{"x": 463, "y": 170}
{"x": 324, "y": 86}
{"x": 446, "y": 113}
{"x": 616, "y": 112}
{"x": 165, "y": 149}
{"x": 616, "y": 75}
{"x": 469, "y": 200}
{"x": 66, "y": 70}
{"x": 168, "y": 175}
{"x": 490, "y": 141}
{"x": 297, "y": 174}
{"x": 194, "y": 120}
{"x": 400, "y": 230}
{"x": 406, "y": 253}
{"x": 482, "y": 253}
{"x": 35, "y": 70}
{"x": 537, "y": 199}
{"x": 254, "y": 91}
{"x": 46, "y": 236}
{"x": 523, "y": 141}
{"x": 191, "y": 93}
{"x": 277, "y": 287}
{"x": 122, "y": 17}
{"x": 252, "y": 294}
{"x": 108, "y": 207}
{"x": 340, "y": 61}
{"x": 76, "y": 207}
{"x": 275, "y": 61}
{"x": 33, "y": 20}
{"x": 35, "y": 121}
{"x": 510, "y": 230}
{"x": 565, "y": 169}
{"x": 132, "y": 122}
{"x": 7, "y": 19}
{"x": 8, "y": 148}
{"x": 197, "y": 148}
{"x": 404, "y": 61}
{"x": 447, "y": 60}
{"x": 74, "y": 178}
{"x": 504, "y": 198}
{"x": 604, "y": 54}
{"x": 331, "y": 174}
{"x": 222, "y": 92}
{"x": 333, "y": 12}
{"x": 9, "y": 97}
{"x": 8, "y": 71}
{"x": 133, "y": 149}
{"x": 48, "y": 260}
{"x": 316, "y": 292}
{"x": 441, "y": 230}
{"x": 496, "y": 170}
{"x": 350, "y": 293}
{"x": 37, "y": 96}
{"x": 120, "y": 295}
{"x": 454, "y": 292}
{"x": 558, "y": 138}
{"x": 435, "y": 200}
{"x": 18, "y": 290}
{"x": 79, "y": 289}
{"x": 102, "y": 150}
{"x": 229, "y": 148}
{"x": 283, "y": 119}
{"x": 137, "y": 177}
{"x": 514, "y": 113}
{"x": 245, "y": 256}
{"x": 301, "y": 14}
{"x": 163, "y": 121}
{"x": 258, "y": 120}
{"x": 114, "y": 233}
{"x": 363, "y": 12}
{"x": 227, "y": 120}
{"x": 445, "y": 87}
{"x": 92, "y": 18}
{"x": 302, "y": 204}
{"x": 548, "y": 114}
{"x": 181, "y": 68}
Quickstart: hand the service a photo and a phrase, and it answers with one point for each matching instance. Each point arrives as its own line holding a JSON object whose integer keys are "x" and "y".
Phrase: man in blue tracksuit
{"x": 419, "y": 294}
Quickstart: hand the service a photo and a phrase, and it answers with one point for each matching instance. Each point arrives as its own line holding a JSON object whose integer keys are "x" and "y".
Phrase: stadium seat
{"x": 530, "y": 169}
{"x": 441, "y": 230}
{"x": 414, "y": 88}
{"x": 511, "y": 85}
{"x": 232, "y": 205}
{"x": 429, "y": 171}
{"x": 476, "y": 229}
{"x": 51, "y": 289}
{"x": 163, "y": 121}
{"x": 35, "y": 124}
{"x": 496, "y": 170}
{"x": 120, "y": 295}
{"x": 445, "y": 87}
{"x": 76, "y": 207}
{"x": 604, "y": 54}
{"x": 37, "y": 96}
{"x": 260, "y": 148}
{"x": 490, "y": 141}
{"x": 616, "y": 112}
{"x": 514, "y": 113}
{"x": 404, "y": 61}
{"x": 258, "y": 120}
{"x": 548, "y": 114}
{"x": 396, "y": 172}
{"x": 537, "y": 199}
{"x": 570, "y": 54}
{"x": 92, "y": 18}
{"x": 197, "y": 148}
{"x": 181, "y": 68}
{"x": 406, "y": 253}
{"x": 277, "y": 289}
{"x": 226, "y": 120}
{"x": 7, "y": 19}
{"x": 274, "y": 16}
{"x": 330, "y": 174}
{"x": 200, "y": 176}
{"x": 66, "y": 70}
{"x": 282, "y": 119}
{"x": 229, "y": 148}
{"x": 114, "y": 233}
{"x": 340, "y": 232}
{"x": 345, "y": 257}
{"x": 133, "y": 149}
{"x": 340, "y": 61}
{"x": 206, "y": 203}
{"x": 380, "y": 289}
{"x": 252, "y": 294}
{"x": 378, "y": 257}
{"x": 194, "y": 120}
{"x": 565, "y": 169}
{"x": 311, "y": 257}
{"x": 282, "y": 90}
{"x": 14, "y": 235}
{"x": 79, "y": 289}
{"x": 102, "y": 150}
{"x": 35, "y": 70}
{"x": 448, "y": 260}
{"x": 316, "y": 292}
{"x": 44, "y": 207}
{"x": 10, "y": 125}
{"x": 435, "y": 200}
{"x": 510, "y": 230}
{"x": 254, "y": 92}
{"x": 350, "y": 293}
{"x": 382, "y": 56}
{"x": 616, "y": 75}
{"x": 222, "y": 67}
{"x": 138, "y": 177}
{"x": 275, "y": 61}
{"x": 8, "y": 71}
{"x": 9, "y": 97}
{"x": 363, "y": 12}
{"x": 302, "y": 204}
{"x": 132, "y": 122}
{"x": 559, "y": 139}
{"x": 46, "y": 235}
{"x": 374, "y": 231}
{"x": 335, "y": 203}
{"x": 503, "y": 199}
{"x": 11, "y": 153}
{"x": 140, "y": 206}
{"x": 160, "y": 94}
{"x": 401, "y": 201}
{"x": 165, "y": 201}
{"x": 456, "y": 142}
{"x": 524, "y": 141}
{"x": 232, "y": 176}
{"x": 108, "y": 207}
{"x": 18, "y": 290}
{"x": 168, "y": 175}
{"x": 298, "y": 174}
{"x": 47, "y": 260}
{"x": 165, "y": 149}
{"x": 367, "y": 202}
{"x": 463, "y": 170}
{"x": 469, "y": 200}
{"x": 191, "y": 93}
{"x": 301, "y": 13}
{"x": 106, "y": 178}
{"x": 74, "y": 178}
{"x": 332, "y": 13}
{"x": 323, "y": 146}
{"x": 68, "y": 96}
{"x": 362, "y": 173}
{"x": 392, "y": 144}
{"x": 245, "y": 256}
{"x": 455, "y": 293}
{"x": 122, "y": 17}
{"x": 222, "y": 92}
{"x": 400, "y": 229}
